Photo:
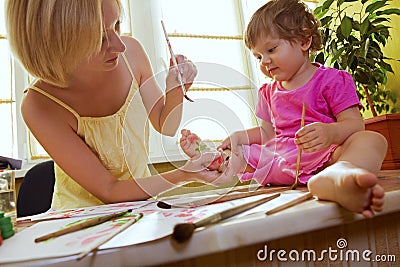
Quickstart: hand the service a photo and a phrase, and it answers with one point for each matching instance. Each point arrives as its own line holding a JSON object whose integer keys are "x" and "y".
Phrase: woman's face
{"x": 112, "y": 45}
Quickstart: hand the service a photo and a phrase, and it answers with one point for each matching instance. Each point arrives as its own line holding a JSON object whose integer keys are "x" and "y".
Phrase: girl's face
{"x": 280, "y": 59}
{"x": 112, "y": 45}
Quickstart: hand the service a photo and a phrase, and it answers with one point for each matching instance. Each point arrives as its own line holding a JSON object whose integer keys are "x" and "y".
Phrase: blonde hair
{"x": 288, "y": 19}
{"x": 51, "y": 37}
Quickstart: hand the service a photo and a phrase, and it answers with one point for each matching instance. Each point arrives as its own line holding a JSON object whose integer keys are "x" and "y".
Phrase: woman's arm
{"x": 54, "y": 127}
{"x": 165, "y": 111}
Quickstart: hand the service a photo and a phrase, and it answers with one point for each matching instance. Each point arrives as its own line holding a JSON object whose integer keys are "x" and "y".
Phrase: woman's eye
{"x": 118, "y": 26}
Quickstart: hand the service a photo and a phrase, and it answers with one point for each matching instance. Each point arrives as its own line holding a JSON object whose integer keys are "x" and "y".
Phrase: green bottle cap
{"x": 7, "y": 234}
{"x": 5, "y": 220}
{"x": 6, "y": 227}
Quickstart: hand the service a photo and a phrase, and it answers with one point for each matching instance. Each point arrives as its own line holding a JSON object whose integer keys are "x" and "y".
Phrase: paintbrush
{"x": 107, "y": 238}
{"x": 290, "y": 203}
{"x": 174, "y": 62}
{"x": 183, "y": 231}
{"x": 79, "y": 226}
{"x": 303, "y": 114}
{"x": 208, "y": 200}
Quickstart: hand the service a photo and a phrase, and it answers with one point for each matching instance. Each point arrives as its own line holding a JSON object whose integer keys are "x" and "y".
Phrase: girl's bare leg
{"x": 351, "y": 180}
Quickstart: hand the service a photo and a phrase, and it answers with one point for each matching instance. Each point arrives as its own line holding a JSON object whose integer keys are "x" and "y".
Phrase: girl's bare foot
{"x": 193, "y": 146}
{"x": 353, "y": 188}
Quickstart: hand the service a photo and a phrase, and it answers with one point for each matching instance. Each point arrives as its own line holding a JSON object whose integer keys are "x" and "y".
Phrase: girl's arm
{"x": 165, "y": 111}
{"x": 317, "y": 136}
{"x": 257, "y": 135}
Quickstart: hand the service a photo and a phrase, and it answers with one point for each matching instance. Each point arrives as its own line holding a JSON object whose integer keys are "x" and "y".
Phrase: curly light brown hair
{"x": 287, "y": 19}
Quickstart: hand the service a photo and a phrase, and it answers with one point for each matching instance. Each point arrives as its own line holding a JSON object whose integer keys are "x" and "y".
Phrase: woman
{"x": 92, "y": 100}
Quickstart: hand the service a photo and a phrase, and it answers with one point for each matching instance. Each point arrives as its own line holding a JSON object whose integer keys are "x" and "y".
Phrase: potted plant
{"x": 354, "y": 34}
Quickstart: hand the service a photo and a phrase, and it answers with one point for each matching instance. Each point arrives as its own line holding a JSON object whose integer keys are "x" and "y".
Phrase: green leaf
{"x": 386, "y": 66}
{"x": 317, "y": 11}
{"x": 362, "y": 77}
{"x": 346, "y": 26}
{"x": 325, "y": 21}
{"x": 327, "y": 4}
{"x": 338, "y": 54}
{"x": 320, "y": 58}
{"x": 379, "y": 20}
{"x": 390, "y": 11}
{"x": 339, "y": 34}
{"x": 364, "y": 26}
{"x": 354, "y": 64}
{"x": 374, "y": 6}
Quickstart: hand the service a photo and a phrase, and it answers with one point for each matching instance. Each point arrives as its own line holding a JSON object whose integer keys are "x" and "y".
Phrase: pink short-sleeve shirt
{"x": 326, "y": 94}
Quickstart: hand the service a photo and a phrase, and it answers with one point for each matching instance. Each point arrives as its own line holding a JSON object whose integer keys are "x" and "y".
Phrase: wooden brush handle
{"x": 233, "y": 211}
{"x": 85, "y": 224}
{"x": 290, "y": 203}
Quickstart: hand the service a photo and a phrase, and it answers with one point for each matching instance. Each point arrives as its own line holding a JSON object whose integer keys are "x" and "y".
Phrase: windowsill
{"x": 152, "y": 160}
{"x": 166, "y": 159}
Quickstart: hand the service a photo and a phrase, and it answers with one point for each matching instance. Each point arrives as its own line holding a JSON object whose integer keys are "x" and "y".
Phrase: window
{"x": 8, "y": 144}
{"x": 210, "y": 33}
{"x": 225, "y": 91}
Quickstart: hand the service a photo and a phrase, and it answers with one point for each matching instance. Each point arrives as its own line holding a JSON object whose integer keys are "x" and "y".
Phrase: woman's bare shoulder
{"x": 38, "y": 110}
{"x": 132, "y": 44}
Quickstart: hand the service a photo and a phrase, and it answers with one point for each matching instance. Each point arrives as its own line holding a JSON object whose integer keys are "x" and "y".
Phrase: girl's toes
{"x": 368, "y": 214}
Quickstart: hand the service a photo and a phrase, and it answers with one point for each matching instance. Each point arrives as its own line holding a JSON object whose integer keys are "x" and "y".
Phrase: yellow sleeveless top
{"x": 120, "y": 141}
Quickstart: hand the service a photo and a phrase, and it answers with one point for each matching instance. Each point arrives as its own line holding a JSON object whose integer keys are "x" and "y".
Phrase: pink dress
{"x": 329, "y": 92}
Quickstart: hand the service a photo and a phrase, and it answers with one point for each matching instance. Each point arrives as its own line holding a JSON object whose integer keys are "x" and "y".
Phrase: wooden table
{"x": 313, "y": 226}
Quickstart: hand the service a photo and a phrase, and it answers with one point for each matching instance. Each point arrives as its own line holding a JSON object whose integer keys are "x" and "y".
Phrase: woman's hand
{"x": 197, "y": 167}
{"x": 314, "y": 137}
{"x": 187, "y": 70}
{"x": 200, "y": 162}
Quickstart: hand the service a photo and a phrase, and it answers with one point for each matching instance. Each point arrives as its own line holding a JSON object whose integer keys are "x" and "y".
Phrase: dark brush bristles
{"x": 183, "y": 232}
{"x": 163, "y": 205}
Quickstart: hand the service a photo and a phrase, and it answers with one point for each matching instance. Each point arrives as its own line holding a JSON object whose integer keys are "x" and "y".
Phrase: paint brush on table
{"x": 303, "y": 114}
{"x": 183, "y": 231}
{"x": 96, "y": 245}
{"x": 175, "y": 63}
{"x": 214, "y": 199}
{"x": 290, "y": 203}
{"x": 85, "y": 224}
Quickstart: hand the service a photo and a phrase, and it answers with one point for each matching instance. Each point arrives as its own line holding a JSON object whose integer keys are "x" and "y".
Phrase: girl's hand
{"x": 187, "y": 70}
{"x": 314, "y": 137}
{"x": 231, "y": 142}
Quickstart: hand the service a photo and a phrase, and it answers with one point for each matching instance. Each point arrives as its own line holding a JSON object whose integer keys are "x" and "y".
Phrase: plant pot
{"x": 389, "y": 126}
